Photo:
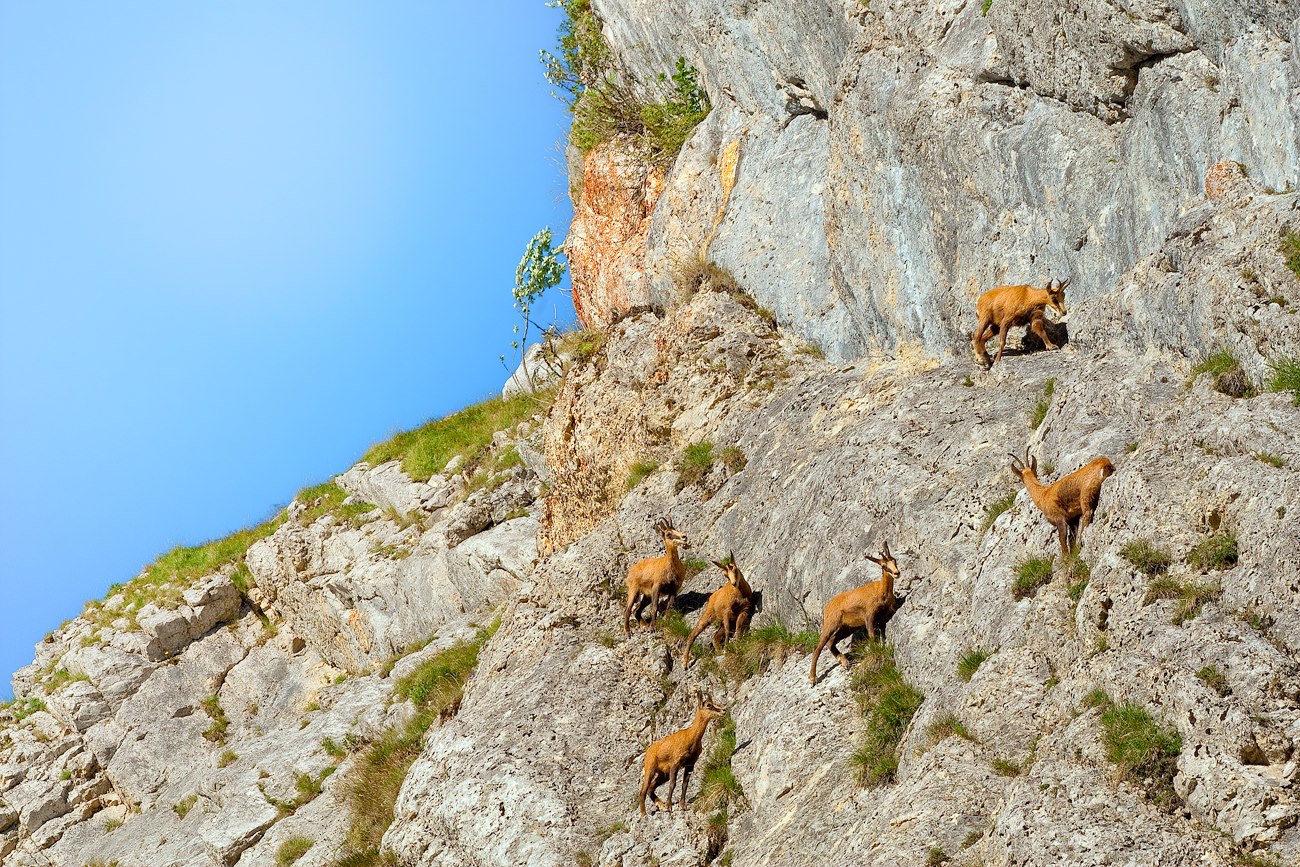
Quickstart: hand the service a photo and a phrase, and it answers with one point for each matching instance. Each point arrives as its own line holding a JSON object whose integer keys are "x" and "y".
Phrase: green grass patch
{"x": 1286, "y": 376}
{"x": 1191, "y": 596}
{"x": 733, "y": 459}
{"x": 994, "y": 509}
{"x": 1142, "y": 751}
{"x": 693, "y": 568}
{"x": 719, "y": 788}
{"x": 1226, "y": 372}
{"x": 694, "y": 463}
{"x": 639, "y": 471}
{"x": 1006, "y": 768}
{"x": 60, "y": 678}
{"x": 184, "y": 805}
{"x": 1146, "y": 557}
{"x": 216, "y": 732}
{"x": 1214, "y": 679}
{"x": 984, "y": 9}
{"x": 1215, "y": 553}
{"x": 1290, "y": 250}
{"x": 426, "y": 450}
{"x": 292, "y": 849}
{"x": 227, "y": 758}
{"x": 371, "y": 792}
{"x": 888, "y": 703}
{"x": 1039, "y": 410}
{"x": 948, "y": 726}
{"x": 25, "y": 707}
{"x": 327, "y": 499}
{"x": 753, "y": 653}
{"x": 1031, "y": 574}
{"x": 1271, "y": 459}
{"x": 971, "y": 662}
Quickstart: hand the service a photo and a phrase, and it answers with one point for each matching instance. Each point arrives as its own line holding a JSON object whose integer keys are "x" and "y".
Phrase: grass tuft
{"x": 1191, "y": 596}
{"x": 1031, "y": 573}
{"x": 1039, "y": 411}
{"x": 426, "y": 450}
{"x": 695, "y": 462}
{"x": 946, "y": 727}
{"x": 970, "y": 663}
{"x": 1148, "y": 559}
{"x": 639, "y": 471}
{"x": 1214, "y": 679}
{"x": 888, "y": 703}
{"x": 184, "y": 805}
{"x": 1226, "y": 372}
{"x": 994, "y": 509}
{"x": 752, "y": 654}
{"x": 719, "y": 788}
{"x": 216, "y": 732}
{"x": 1217, "y": 553}
{"x": 1142, "y": 751}
{"x": 227, "y": 758}
{"x": 1290, "y": 250}
{"x": 1286, "y": 375}
{"x": 733, "y": 459}
{"x": 1006, "y": 768}
{"x": 291, "y": 850}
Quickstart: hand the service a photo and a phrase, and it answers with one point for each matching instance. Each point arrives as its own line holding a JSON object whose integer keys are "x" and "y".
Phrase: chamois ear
{"x": 885, "y": 549}
{"x": 875, "y": 560}
{"x": 721, "y": 565}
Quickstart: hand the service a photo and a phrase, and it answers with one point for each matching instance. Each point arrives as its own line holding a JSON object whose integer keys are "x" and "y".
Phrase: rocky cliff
{"x": 779, "y": 360}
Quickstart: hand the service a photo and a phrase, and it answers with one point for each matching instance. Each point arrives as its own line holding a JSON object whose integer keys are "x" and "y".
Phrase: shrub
{"x": 1191, "y": 596}
{"x": 694, "y": 464}
{"x": 1148, "y": 559}
{"x": 292, "y": 849}
{"x": 733, "y": 459}
{"x": 935, "y": 857}
{"x": 1286, "y": 376}
{"x": 1214, "y": 679}
{"x": 1226, "y": 372}
{"x": 1039, "y": 411}
{"x": 1031, "y": 573}
{"x": 639, "y": 471}
{"x": 970, "y": 663}
{"x": 1217, "y": 552}
{"x": 888, "y": 703}
{"x": 426, "y": 450}
{"x": 1141, "y": 750}
{"x": 996, "y": 508}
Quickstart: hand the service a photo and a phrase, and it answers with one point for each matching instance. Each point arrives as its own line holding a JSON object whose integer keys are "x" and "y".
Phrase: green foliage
{"x": 1217, "y": 552}
{"x": 540, "y": 269}
{"x": 1226, "y": 371}
{"x": 719, "y": 788}
{"x": 227, "y": 758}
{"x": 291, "y": 850}
{"x": 733, "y": 459}
{"x": 888, "y": 703}
{"x": 1006, "y": 768}
{"x": 752, "y": 653}
{"x": 970, "y": 663}
{"x": 435, "y": 688}
{"x": 935, "y": 857}
{"x": 426, "y": 450}
{"x": 694, "y": 464}
{"x": 184, "y": 805}
{"x": 1039, "y": 412}
{"x": 1271, "y": 459}
{"x": 984, "y": 10}
{"x": 111, "y": 825}
{"x": 216, "y": 732}
{"x": 327, "y": 499}
{"x": 23, "y": 708}
{"x": 1031, "y": 573}
{"x": 674, "y": 625}
{"x": 948, "y": 726}
{"x": 1290, "y": 250}
{"x": 1141, "y": 750}
{"x": 608, "y": 102}
{"x": 1255, "y": 859}
{"x": 61, "y": 678}
{"x": 639, "y": 471}
{"x": 1148, "y": 559}
{"x": 1191, "y": 596}
{"x": 994, "y": 509}
{"x": 333, "y": 748}
{"x": 1286, "y": 376}
{"x": 1214, "y": 679}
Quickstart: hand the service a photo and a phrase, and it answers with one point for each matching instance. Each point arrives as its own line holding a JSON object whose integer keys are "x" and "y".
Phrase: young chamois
{"x": 858, "y": 608}
{"x": 1067, "y": 503}
{"x": 656, "y": 580}
{"x": 1005, "y": 307}
{"x": 729, "y": 606}
{"x": 677, "y": 752}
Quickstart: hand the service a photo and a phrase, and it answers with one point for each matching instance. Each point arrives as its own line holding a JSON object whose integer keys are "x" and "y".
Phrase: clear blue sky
{"x": 239, "y": 243}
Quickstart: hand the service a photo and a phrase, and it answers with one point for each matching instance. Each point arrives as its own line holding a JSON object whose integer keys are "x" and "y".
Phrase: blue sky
{"x": 239, "y": 243}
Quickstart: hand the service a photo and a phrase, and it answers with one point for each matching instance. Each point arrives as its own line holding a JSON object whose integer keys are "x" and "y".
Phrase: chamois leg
{"x": 827, "y": 634}
{"x": 686, "y": 781}
{"x": 1002, "y": 343}
{"x": 720, "y": 635}
{"x": 627, "y": 611}
{"x": 650, "y": 781}
{"x": 654, "y": 607}
{"x": 742, "y": 624}
{"x": 690, "y": 642}
{"x": 672, "y": 784}
{"x": 1063, "y": 534}
{"x": 980, "y": 338}
{"x": 842, "y": 633}
{"x": 1040, "y": 328}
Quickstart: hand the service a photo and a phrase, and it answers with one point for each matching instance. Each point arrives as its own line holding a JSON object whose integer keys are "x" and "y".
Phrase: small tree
{"x": 540, "y": 269}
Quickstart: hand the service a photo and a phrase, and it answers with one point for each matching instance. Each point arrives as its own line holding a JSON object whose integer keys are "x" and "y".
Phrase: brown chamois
{"x": 656, "y": 580}
{"x": 677, "y": 752}
{"x": 857, "y": 608}
{"x": 729, "y": 606}
{"x": 1067, "y": 503}
{"x": 1005, "y": 307}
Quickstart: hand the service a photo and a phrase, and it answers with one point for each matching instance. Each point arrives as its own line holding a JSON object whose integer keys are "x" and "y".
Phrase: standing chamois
{"x": 1005, "y": 307}
{"x": 1067, "y": 503}
{"x": 677, "y": 752}
{"x": 729, "y": 606}
{"x": 656, "y": 580}
{"x": 858, "y": 608}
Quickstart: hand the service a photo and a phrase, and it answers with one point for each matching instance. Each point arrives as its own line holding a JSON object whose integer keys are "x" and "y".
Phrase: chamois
{"x": 677, "y": 752}
{"x": 729, "y": 606}
{"x": 1067, "y": 503}
{"x": 854, "y": 609}
{"x": 1005, "y": 307}
{"x": 656, "y": 580}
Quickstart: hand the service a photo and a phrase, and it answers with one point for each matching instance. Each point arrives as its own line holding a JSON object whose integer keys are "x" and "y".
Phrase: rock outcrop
{"x": 784, "y": 368}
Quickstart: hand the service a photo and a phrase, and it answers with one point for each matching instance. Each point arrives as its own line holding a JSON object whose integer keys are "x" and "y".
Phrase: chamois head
{"x": 705, "y": 706}
{"x": 1056, "y": 295}
{"x": 670, "y": 533}
{"x": 886, "y": 561}
{"x": 1026, "y": 468}
{"x": 729, "y": 568}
